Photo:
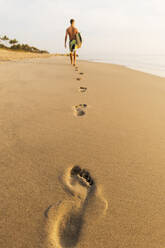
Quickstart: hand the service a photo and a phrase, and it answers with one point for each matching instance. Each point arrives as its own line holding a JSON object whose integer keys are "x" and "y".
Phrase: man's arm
{"x": 66, "y": 36}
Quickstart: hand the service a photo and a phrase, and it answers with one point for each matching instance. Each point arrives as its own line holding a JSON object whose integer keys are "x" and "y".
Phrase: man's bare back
{"x": 72, "y": 31}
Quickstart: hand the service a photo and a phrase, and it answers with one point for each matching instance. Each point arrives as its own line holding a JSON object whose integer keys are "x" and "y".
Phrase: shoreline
{"x": 136, "y": 68}
{"x": 35, "y": 56}
{"x": 6, "y": 55}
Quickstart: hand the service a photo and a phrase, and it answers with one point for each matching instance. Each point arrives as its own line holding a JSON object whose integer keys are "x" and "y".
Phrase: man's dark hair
{"x": 71, "y": 21}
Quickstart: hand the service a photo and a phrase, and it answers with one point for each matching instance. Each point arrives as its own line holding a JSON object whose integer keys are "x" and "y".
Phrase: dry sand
{"x": 115, "y": 128}
{"x": 9, "y": 55}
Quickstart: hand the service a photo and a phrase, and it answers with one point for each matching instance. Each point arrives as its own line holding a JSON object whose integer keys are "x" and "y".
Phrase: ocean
{"x": 153, "y": 64}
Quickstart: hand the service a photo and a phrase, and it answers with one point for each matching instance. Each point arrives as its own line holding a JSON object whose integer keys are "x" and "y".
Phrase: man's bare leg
{"x": 74, "y": 59}
{"x": 71, "y": 58}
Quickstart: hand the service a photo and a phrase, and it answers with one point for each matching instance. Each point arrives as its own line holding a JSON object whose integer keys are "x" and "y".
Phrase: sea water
{"x": 153, "y": 64}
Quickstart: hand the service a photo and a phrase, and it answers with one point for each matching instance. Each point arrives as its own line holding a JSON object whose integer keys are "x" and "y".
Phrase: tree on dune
{"x": 5, "y": 39}
{"x": 20, "y": 47}
{"x": 13, "y": 42}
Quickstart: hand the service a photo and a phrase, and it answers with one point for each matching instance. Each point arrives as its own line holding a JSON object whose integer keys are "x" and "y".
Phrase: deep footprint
{"x": 78, "y": 79}
{"x": 80, "y": 109}
{"x": 65, "y": 222}
{"x": 81, "y": 73}
{"x": 83, "y": 89}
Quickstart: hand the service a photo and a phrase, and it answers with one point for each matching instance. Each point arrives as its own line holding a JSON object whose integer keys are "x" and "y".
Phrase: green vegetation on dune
{"x": 12, "y": 44}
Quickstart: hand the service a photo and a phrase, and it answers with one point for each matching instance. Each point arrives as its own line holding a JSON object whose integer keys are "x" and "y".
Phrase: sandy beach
{"x": 10, "y": 55}
{"x": 104, "y": 118}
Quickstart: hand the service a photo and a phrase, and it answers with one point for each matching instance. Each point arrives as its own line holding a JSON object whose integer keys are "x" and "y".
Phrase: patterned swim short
{"x": 73, "y": 45}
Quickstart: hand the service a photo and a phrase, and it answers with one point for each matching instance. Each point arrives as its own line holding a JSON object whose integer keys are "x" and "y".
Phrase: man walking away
{"x": 72, "y": 31}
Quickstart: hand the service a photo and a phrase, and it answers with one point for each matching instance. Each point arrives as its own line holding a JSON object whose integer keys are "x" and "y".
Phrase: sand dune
{"x": 9, "y": 55}
{"x": 47, "y": 202}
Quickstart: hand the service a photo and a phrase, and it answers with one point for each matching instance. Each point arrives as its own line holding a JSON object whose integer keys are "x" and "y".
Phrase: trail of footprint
{"x": 79, "y": 110}
{"x": 83, "y": 89}
{"x": 65, "y": 222}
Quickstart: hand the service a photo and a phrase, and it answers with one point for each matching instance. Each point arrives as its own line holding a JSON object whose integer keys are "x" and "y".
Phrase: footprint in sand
{"x": 81, "y": 73}
{"x": 78, "y": 79}
{"x": 82, "y": 89}
{"x": 79, "y": 110}
{"x": 66, "y": 220}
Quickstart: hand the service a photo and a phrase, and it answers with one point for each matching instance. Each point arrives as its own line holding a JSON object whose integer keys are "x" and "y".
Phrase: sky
{"x": 107, "y": 26}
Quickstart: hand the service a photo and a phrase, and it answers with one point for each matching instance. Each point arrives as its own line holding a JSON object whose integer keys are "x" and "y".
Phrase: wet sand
{"x": 109, "y": 120}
